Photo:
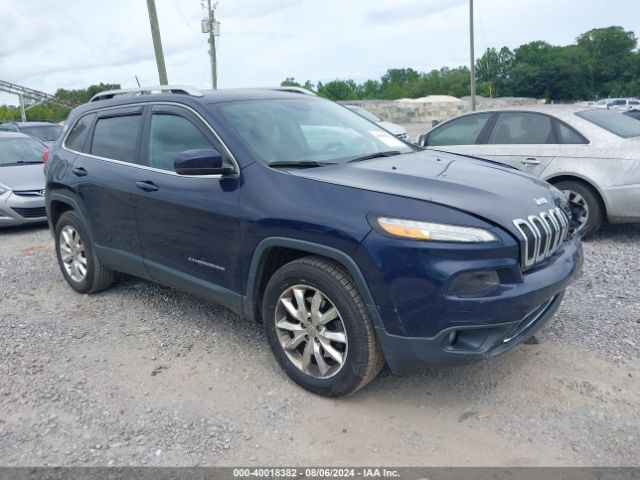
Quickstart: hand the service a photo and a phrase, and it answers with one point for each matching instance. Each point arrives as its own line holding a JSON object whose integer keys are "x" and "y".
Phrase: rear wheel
{"x": 78, "y": 262}
{"x": 584, "y": 203}
{"x": 318, "y": 328}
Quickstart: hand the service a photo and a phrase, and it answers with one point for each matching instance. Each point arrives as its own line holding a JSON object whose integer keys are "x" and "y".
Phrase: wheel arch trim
{"x": 576, "y": 177}
{"x": 75, "y": 206}
{"x": 313, "y": 249}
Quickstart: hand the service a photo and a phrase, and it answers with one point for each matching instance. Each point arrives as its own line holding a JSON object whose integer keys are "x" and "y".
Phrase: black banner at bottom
{"x": 283, "y": 473}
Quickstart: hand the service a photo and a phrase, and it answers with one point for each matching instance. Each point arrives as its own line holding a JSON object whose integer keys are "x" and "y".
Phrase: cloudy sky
{"x": 47, "y": 44}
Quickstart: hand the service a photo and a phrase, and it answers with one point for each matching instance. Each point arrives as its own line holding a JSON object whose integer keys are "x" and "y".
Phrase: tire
{"x": 324, "y": 284}
{"x": 579, "y": 195}
{"x": 78, "y": 262}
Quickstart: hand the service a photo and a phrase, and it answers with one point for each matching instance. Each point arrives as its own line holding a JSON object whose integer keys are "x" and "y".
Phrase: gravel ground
{"x": 145, "y": 375}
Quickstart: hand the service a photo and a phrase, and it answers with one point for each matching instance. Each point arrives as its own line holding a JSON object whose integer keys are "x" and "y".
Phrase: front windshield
{"x": 16, "y": 151}
{"x": 614, "y": 122}
{"x": 305, "y": 129}
{"x": 46, "y": 133}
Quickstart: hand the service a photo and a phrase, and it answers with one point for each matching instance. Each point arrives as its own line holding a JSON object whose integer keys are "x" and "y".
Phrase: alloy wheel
{"x": 72, "y": 253}
{"x": 311, "y": 331}
{"x": 577, "y": 202}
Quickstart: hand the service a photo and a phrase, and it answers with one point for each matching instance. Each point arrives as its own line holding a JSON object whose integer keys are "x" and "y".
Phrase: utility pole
{"x": 211, "y": 26}
{"x": 157, "y": 41}
{"x": 473, "y": 58}
{"x": 23, "y": 113}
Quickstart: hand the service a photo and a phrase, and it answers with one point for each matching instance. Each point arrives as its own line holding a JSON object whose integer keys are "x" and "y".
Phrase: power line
{"x": 184, "y": 19}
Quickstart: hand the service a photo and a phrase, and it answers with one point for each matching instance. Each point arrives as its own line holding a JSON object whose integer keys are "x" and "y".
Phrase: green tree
{"x": 493, "y": 70}
{"x": 609, "y": 57}
{"x": 339, "y": 90}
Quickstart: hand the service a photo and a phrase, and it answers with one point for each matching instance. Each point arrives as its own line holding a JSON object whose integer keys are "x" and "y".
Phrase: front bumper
{"x": 21, "y": 210}
{"x": 472, "y": 343}
{"x": 425, "y": 325}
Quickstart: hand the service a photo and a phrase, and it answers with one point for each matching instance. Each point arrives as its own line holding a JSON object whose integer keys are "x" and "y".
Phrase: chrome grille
{"x": 542, "y": 235}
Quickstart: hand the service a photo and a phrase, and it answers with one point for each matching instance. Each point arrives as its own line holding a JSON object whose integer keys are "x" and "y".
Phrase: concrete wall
{"x": 404, "y": 112}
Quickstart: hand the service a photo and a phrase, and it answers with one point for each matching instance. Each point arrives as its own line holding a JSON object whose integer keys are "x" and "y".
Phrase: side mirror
{"x": 206, "y": 161}
{"x": 422, "y": 140}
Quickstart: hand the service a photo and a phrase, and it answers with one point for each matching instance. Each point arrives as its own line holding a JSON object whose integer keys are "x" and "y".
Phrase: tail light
{"x": 45, "y": 156}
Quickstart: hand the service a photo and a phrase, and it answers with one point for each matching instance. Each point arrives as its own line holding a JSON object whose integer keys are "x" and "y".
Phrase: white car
{"x": 620, "y": 104}
{"x": 392, "y": 128}
{"x": 591, "y": 154}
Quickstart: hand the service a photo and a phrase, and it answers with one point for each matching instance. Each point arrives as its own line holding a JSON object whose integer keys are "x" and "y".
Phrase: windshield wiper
{"x": 299, "y": 163}
{"x": 389, "y": 153}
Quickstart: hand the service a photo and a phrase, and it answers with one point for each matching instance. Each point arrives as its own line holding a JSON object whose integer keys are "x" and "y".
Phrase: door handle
{"x": 530, "y": 161}
{"x": 79, "y": 172}
{"x": 147, "y": 186}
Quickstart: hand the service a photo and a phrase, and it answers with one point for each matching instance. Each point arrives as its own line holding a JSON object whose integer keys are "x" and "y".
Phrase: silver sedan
{"x": 21, "y": 180}
{"x": 593, "y": 155}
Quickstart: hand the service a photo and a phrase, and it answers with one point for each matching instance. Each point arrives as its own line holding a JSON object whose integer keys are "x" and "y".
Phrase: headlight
{"x": 3, "y": 189}
{"x": 434, "y": 231}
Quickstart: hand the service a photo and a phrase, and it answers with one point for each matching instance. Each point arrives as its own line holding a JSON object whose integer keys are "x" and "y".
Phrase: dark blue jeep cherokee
{"x": 352, "y": 246}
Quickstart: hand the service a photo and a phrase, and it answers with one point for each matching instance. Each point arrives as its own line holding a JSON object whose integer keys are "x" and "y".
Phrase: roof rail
{"x": 180, "y": 89}
{"x": 293, "y": 90}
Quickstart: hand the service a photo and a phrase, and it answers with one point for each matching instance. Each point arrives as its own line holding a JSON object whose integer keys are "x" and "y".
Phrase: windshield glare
{"x": 46, "y": 133}
{"x": 365, "y": 114}
{"x": 614, "y": 122}
{"x": 20, "y": 150}
{"x": 304, "y": 130}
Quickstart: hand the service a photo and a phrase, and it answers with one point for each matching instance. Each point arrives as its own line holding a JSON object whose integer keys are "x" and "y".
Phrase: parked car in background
{"x": 353, "y": 249}
{"x": 397, "y": 130}
{"x": 21, "y": 180}
{"x": 592, "y": 155}
{"x": 46, "y": 132}
{"x": 619, "y": 104}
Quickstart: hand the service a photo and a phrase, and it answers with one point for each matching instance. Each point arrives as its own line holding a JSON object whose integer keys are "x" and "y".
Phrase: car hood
{"x": 488, "y": 190}
{"x": 23, "y": 177}
{"x": 392, "y": 127}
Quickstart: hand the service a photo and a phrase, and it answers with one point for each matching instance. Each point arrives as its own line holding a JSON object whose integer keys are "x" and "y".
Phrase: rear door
{"x": 188, "y": 225}
{"x": 104, "y": 177}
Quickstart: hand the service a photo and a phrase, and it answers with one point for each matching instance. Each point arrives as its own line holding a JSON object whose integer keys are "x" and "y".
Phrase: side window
{"x": 78, "y": 135}
{"x": 116, "y": 137}
{"x": 170, "y": 135}
{"x": 462, "y": 131}
{"x": 568, "y": 135}
{"x": 522, "y": 128}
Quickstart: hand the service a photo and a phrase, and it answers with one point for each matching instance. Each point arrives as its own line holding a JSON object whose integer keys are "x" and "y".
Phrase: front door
{"x": 188, "y": 225}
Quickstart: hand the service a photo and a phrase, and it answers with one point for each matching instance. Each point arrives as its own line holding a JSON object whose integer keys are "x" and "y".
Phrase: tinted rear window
{"x": 78, "y": 134}
{"x": 614, "y": 122}
{"x": 523, "y": 128}
{"x": 116, "y": 137}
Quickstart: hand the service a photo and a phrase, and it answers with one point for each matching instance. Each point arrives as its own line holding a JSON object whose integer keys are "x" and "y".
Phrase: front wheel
{"x": 80, "y": 266}
{"x": 318, "y": 328}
